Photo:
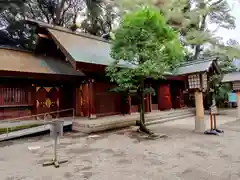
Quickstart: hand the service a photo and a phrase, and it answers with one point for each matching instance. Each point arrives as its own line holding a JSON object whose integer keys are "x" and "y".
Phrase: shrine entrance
{"x": 47, "y": 100}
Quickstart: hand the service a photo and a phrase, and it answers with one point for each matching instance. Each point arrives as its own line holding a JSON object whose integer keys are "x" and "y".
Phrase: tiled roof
{"x": 19, "y": 61}
{"x": 231, "y": 77}
{"x": 194, "y": 67}
{"x": 85, "y": 49}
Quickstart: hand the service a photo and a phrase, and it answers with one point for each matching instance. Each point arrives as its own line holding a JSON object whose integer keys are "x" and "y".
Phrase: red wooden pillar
{"x": 164, "y": 97}
{"x": 92, "y": 108}
{"x": 128, "y": 104}
{"x": 78, "y": 104}
{"x": 84, "y": 99}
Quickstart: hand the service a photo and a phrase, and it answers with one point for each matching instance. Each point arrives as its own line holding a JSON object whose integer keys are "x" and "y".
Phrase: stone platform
{"x": 85, "y": 125}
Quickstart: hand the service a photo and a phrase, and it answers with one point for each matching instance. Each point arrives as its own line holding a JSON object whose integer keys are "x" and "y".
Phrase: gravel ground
{"x": 126, "y": 155}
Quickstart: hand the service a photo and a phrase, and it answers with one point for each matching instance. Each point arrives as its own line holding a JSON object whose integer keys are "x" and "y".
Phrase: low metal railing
{"x": 34, "y": 119}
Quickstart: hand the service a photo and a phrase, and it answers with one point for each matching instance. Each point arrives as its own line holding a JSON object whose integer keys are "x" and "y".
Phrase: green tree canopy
{"x": 150, "y": 47}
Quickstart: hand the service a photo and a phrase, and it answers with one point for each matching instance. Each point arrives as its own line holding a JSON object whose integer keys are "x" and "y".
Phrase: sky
{"x": 235, "y": 33}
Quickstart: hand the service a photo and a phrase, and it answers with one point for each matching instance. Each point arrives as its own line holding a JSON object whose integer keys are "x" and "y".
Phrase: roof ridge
{"x": 66, "y": 30}
{"x": 186, "y": 63}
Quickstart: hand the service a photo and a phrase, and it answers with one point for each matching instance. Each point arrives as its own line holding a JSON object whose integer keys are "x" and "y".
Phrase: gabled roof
{"x": 197, "y": 66}
{"x": 82, "y": 47}
{"x": 94, "y": 51}
{"x": 86, "y": 48}
{"x": 23, "y": 61}
{"x": 231, "y": 77}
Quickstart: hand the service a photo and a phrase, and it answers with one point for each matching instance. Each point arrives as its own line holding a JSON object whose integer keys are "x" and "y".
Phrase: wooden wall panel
{"x": 106, "y": 102}
{"x": 15, "y": 112}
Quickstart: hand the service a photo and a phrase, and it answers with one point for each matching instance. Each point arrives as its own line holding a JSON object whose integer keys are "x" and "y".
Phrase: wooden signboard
{"x": 213, "y": 109}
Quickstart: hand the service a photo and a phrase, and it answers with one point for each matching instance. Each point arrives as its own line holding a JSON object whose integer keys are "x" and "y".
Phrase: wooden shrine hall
{"x": 67, "y": 70}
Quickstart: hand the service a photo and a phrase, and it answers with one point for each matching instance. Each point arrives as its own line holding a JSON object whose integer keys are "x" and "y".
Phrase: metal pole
{"x": 7, "y": 127}
{"x": 55, "y": 148}
{"x": 44, "y": 120}
{"x": 215, "y": 123}
{"x": 73, "y": 114}
{"x": 211, "y": 126}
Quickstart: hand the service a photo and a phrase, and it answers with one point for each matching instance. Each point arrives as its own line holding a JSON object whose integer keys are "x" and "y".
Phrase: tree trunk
{"x": 143, "y": 127}
{"x": 201, "y": 28}
{"x": 59, "y": 10}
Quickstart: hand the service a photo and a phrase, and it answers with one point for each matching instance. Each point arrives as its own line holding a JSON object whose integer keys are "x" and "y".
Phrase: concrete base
{"x": 200, "y": 125}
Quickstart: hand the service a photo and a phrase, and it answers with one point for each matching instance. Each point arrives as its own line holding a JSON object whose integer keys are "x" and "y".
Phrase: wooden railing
{"x": 47, "y": 117}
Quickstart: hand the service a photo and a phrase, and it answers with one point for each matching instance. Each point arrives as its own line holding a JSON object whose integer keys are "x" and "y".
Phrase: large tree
{"x": 146, "y": 43}
{"x": 192, "y": 18}
{"x": 195, "y": 19}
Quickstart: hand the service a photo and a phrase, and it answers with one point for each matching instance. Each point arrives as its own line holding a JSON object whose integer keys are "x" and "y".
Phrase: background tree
{"x": 100, "y": 16}
{"x": 10, "y": 4}
{"x": 150, "y": 46}
{"x": 97, "y": 18}
{"x": 12, "y": 32}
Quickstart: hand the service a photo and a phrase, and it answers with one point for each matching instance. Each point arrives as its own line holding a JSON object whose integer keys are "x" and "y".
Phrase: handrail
{"x": 10, "y": 120}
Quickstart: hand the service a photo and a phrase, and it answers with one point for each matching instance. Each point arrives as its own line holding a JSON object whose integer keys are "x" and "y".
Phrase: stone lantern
{"x": 198, "y": 83}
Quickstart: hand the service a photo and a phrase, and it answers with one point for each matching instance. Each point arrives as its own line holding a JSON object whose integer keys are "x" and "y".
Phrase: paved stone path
{"x": 125, "y": 155}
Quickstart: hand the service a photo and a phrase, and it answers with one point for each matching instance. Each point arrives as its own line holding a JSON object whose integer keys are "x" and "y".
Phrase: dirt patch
{"x": 82, "y": 150}
{"x": 87, "y": 175}
{"x": 124, "y": 161}
{"x": 68, "y": 175}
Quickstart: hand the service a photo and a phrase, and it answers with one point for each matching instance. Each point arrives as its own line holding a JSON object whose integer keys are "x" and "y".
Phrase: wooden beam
{"x": 92, "y": 108}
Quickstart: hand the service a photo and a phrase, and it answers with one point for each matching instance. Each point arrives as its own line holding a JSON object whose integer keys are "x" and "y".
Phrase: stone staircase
{"x": 166, "y": 116}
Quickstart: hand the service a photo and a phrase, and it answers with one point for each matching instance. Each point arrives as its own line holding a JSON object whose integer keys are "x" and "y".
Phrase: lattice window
{"x": 14, "y": 96}
{"x": 194, "y": 81}
{"x": 236, "y": 86}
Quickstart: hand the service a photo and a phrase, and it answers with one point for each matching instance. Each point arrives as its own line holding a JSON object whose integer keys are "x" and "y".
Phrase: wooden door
{"x": 47, "y": 100}
{"x": 41, "y": 96}
{"x": 164, "y": 97}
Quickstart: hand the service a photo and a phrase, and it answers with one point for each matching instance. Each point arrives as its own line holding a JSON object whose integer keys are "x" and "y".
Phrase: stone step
{"x": 160, "y": 121}
{"x": 169, "y": 114}
{"x": 161, "y": 117}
